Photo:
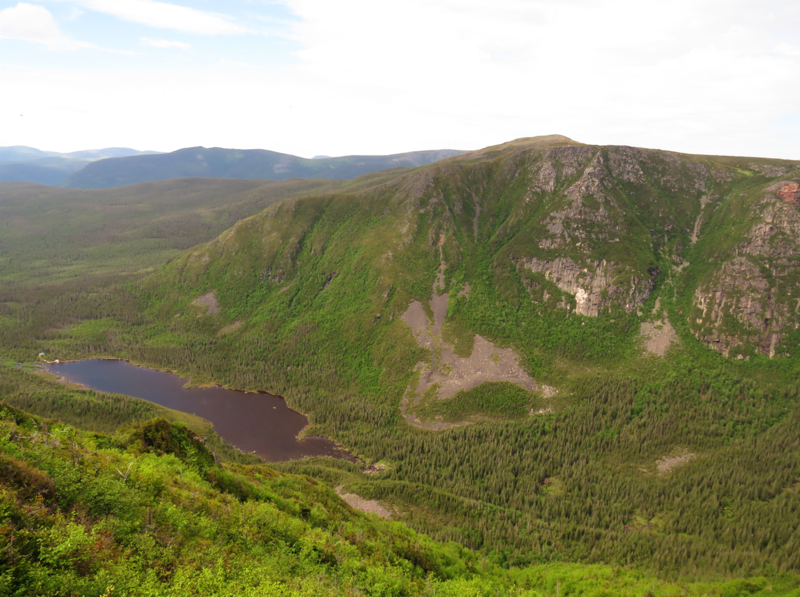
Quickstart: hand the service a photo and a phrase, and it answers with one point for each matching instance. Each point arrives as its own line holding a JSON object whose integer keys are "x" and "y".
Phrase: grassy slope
{"x": 82, "y": 233}
{"x": 63, "y": 252}
{"x": 50, "y": 235}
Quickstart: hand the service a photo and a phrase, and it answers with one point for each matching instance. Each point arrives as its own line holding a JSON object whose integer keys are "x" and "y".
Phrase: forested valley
{"x": 616, "y": 471}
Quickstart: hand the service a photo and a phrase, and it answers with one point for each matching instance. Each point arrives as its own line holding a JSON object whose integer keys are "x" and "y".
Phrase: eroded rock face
{"x": 754, "y": 298}
{"x": 209, "y": 302}
{"x": 777, "y": 232}
{"x": 568, "y": 224}
{"x": 593, "y": 286}
{"x": 789, "y": 193}
{"x": 744, "y": 303}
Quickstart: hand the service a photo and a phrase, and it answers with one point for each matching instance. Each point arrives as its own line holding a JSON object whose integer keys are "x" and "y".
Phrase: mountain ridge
{"x": 20, "y": 163}
{"x": 218, "y": 162}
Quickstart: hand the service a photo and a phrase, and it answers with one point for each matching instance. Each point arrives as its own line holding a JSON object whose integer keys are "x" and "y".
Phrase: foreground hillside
{"x": 547, "y": 351}
{"x": 148, "y": 511}
{"x": 217, "y": 162}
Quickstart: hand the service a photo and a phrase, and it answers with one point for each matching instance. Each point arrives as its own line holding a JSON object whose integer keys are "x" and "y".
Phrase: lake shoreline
{"x": 334, "y": 449}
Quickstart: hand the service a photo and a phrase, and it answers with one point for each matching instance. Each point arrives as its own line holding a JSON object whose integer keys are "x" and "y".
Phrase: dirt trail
{"x": 359, "y": 503}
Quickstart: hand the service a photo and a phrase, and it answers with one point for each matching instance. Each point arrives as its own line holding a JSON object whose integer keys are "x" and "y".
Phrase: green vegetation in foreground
{"x": 147, "y": 511}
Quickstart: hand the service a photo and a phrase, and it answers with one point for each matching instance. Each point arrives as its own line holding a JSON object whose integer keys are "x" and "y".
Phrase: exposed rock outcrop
{"x": 446, "y": 373}
{"x": 593, "y": 286}
{"x": 739, "y": 304}
{"x": 754, "y": 298}
{"x": 208, "y": 302}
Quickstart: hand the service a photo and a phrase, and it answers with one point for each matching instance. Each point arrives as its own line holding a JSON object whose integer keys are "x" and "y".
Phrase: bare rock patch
{"x": 658, "y": 336}
{"x": 359, "y": 503}
{"x": 209, "y": 301}
{"x": 668, "y": 464}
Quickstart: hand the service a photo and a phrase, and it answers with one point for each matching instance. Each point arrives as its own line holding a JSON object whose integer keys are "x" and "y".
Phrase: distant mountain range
{"x": 116, "y": 167}
{"x": 21, "y": 163}
{"x": 239, "y": 163}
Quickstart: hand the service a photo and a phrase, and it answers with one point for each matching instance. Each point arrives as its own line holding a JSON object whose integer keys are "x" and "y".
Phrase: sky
{"x": 316, "y": 77}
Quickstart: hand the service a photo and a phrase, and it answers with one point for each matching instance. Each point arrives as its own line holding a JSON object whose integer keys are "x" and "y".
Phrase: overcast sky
{"x": 341, "y": 77}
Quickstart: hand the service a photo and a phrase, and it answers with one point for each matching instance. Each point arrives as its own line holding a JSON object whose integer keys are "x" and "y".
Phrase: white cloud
{"x": 34, "y": 23}
{"x": 166, "y": 16}
{"x": 163, "y": 43}
{"x": 29, "y": 22}
{"x": 225, "y": 63}
{"x": 74, "y": 13}
{"x": 788, "y": 49}
{"x": 688, "y": 74}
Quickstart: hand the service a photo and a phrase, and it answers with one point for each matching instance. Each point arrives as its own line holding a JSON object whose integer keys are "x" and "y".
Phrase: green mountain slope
{"x": 235, "y": 163}
{"x": 51, "y": 235}
{"x": 578, "y": 230}
{"x": 55, "y": 234}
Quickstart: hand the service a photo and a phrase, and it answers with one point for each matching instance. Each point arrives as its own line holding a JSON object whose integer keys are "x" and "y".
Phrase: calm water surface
{"x": 260, "y": 423}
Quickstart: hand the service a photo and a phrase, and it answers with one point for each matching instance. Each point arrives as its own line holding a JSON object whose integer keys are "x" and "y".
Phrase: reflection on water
{"x": 260, "y": 423}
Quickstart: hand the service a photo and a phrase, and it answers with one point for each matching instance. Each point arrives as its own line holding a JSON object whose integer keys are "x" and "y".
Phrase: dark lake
{"x": 260, "y": 423}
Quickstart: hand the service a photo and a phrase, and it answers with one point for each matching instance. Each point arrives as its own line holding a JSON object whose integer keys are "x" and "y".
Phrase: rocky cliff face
{"x": 593, "y": 285}
{"x": 751, "y": 299}
{"x": 602, "y": 214}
